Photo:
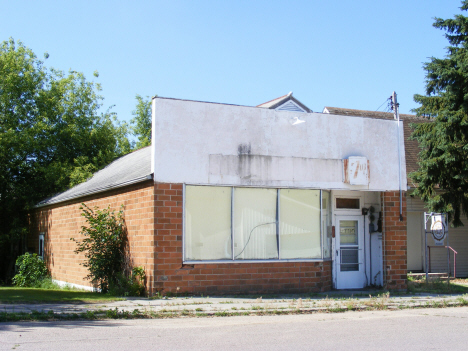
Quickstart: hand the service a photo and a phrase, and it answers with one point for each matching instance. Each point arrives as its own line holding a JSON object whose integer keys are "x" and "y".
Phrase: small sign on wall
{"x": 356, "y": 170}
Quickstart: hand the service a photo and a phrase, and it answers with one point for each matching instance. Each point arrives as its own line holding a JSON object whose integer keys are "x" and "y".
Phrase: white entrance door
{"x": 349, "y": 253}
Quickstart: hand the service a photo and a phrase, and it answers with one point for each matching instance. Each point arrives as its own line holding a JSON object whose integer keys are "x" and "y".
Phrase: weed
{"x": 299, "y": 304}
{"x": 336, "y": 309}
{"x": 462, "y": 301}
{"x": 113, "y": 314}
{"x": 221, "y": 314}
{"x": 350, "y": 306}
{"x": 156, "y": 296}
{"x": 90, "y": 315}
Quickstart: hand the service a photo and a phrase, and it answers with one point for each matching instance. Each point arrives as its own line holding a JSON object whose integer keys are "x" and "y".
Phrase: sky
{"x": 347, "y": 53}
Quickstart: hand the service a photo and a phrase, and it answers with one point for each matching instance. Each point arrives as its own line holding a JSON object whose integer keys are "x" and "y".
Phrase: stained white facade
{"x": 217, "y": 144}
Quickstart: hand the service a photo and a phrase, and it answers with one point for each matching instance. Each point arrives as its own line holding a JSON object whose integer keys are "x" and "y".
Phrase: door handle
{"x": 337, "y": 252}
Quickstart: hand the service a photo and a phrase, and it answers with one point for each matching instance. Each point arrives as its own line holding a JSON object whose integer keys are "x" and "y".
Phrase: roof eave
{"x": 97, "y": 190}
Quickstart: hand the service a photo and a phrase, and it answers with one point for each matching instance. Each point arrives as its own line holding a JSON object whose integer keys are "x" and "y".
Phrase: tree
{"x": 52, "y": 136}
{"x": 142, "y": 122}
{"x": 444, "y": 142}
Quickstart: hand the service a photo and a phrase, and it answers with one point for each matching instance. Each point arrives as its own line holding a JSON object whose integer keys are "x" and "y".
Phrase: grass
{"x": 33, "y": 295}
{"x": 456, "y": 286}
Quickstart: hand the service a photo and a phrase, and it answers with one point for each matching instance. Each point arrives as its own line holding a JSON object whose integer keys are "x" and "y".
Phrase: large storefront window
{"x": 224, "y": 223}
{"x": 300, "y": 223}
{"x": 208, "y": 223}
{"x": 255, "y": 224}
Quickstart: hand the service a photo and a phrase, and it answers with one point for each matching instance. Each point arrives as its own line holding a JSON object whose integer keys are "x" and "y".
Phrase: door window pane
{"x": 349, "y": 251}
{"x": 348, "y": 232}
{"x": 207, "y": 223}
{"x": 349, "y": 259}
{"x": 300, "y": 223}
{"x": 255, "y": 224}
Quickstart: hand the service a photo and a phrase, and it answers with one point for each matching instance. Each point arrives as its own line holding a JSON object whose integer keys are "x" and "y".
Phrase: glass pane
{"x": 207, "y": 223}
{"x": 255, "y": 224}
{"x": 326, "y": 224}
{"x": 348, "y": 232}
{"x": 300, "y": 223}
{"x": 349, "y": 260}
{"x": 345, "y": 203}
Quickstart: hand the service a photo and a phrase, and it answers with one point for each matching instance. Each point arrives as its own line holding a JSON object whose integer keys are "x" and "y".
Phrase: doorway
{"x": 349, "y": 253}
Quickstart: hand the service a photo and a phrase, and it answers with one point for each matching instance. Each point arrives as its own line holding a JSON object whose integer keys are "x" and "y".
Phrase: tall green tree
{"x": 444, "y": 156}
{"x": 52, "y": 136}
{"x": 141, "y": 123}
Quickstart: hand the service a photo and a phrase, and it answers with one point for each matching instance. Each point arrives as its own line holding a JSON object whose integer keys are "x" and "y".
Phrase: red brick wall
{"x": 153, "y": 215}
{"x": 172, "y": 276}
{"x": 394, "y": 241}
{"x": 63, "y": 221}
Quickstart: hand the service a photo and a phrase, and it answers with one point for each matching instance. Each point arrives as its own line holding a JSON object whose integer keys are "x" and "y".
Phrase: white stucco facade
{"x": 218, "y": 144}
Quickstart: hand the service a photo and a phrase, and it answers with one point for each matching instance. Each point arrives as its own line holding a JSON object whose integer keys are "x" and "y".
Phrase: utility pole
{"x": 395, "y": 106}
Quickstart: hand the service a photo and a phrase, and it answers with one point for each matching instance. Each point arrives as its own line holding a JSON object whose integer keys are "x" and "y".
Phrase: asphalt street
{"x": 408, "y": 329}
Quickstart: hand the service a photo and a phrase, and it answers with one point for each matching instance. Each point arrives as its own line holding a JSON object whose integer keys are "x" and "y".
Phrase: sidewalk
{"x": 334, "y": 301}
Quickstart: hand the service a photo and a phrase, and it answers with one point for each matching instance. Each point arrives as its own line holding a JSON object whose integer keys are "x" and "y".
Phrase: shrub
{"x": 31, "y": 270}
{"x": 132, "y": 285}
{"x": 103, "y": 245}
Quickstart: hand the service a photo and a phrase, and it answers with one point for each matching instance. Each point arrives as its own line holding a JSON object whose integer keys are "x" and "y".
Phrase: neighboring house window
{"x": 41, "y": 245}
{"x": 224, "y": 223}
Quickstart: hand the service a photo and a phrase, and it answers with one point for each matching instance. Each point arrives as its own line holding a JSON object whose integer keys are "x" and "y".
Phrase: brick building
{"x": 237, "y": 199}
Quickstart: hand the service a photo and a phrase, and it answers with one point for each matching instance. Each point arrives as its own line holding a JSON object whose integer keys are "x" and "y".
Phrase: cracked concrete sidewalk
{"x": 334, "y": 301}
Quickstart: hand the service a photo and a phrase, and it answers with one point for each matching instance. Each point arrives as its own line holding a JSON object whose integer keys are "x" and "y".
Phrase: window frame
{"x": 41, "y": 253}
{"x": 355, "y": 197}
{"x": 233, "y": 260}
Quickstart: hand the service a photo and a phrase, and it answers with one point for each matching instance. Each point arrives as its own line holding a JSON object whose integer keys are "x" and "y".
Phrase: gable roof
{"x": 132, "y": 168}
{"x": 286, "y": 102}
{"x": 412, "y": 148}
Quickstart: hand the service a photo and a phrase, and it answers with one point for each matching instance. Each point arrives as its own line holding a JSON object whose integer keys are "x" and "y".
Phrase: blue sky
{"x": 344, "y": 53}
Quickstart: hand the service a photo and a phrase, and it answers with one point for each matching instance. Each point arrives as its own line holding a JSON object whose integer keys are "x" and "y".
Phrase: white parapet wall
{"x": 218, "y": 144}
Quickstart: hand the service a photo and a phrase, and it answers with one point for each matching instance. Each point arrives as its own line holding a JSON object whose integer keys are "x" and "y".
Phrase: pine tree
{"x": 442, "y": 176}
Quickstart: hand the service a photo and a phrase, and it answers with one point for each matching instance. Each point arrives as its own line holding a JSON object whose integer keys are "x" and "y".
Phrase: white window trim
{"x": 233, "y": 260}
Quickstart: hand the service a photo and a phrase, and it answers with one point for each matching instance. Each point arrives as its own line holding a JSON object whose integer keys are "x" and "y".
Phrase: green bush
{"x": 31, "y": 271}
{"x": 103, "y": 245}
{"x": 133, "y": 285}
